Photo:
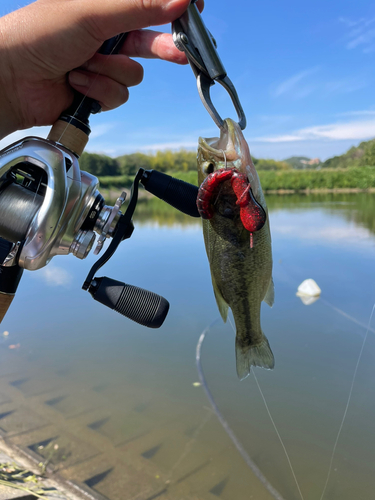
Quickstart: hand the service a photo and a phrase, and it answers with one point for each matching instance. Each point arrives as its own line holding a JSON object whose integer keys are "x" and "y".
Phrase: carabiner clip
{"x": 191, "y": 36}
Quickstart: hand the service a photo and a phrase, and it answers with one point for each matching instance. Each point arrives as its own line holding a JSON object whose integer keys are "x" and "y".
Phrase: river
{"x": 123, "y": 404}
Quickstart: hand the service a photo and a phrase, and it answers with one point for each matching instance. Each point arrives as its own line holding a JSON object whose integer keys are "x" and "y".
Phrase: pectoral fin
{"x": 221, "y": 304}
{"x": 269, "y": 298}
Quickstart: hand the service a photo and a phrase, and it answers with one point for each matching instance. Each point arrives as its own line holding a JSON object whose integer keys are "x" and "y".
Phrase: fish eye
{"x": 208, "y": 167}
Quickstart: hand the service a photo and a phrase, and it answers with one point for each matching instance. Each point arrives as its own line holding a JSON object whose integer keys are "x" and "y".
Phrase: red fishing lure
{"x": 253, "y": 216}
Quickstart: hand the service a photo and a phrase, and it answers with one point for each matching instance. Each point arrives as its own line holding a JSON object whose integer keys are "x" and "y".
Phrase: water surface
{"x": 127, "y": 393}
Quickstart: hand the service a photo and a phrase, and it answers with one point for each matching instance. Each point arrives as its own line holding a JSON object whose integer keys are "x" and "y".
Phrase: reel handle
{"x": 177, "y": 193}
{"x": 139, "y": 305}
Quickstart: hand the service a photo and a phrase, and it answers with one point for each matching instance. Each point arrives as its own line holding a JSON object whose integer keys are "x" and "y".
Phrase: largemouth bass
{"x": 240, "y": 258}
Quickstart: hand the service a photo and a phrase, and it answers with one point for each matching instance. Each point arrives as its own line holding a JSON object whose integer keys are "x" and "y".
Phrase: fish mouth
{"x": 227, "y": 147}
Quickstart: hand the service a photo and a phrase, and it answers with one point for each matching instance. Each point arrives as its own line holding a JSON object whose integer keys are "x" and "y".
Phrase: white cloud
{"x": 361, "y": 34}
{"x": 20, "y": 134}
{"x": 114, "y": 150}
{"x": 102, "y": 129}
{"x": 350, "y": 23}
{"x": 169, "y": 145}
{"x": 365, "y": 39}
{"x": 317, "y": 228}
{"x": 272, "y": 119}
{"x": 354, "y": 130}
{"x": 329, "y": 233}
{"x": 55, "y": 276}
{"x": 301, "y": 85}
{"x": 365, "y": 112}
{"x": 346, "y": 85}
{"x": 98, "y": 131}
{"x": 279, "y": 138}
{"x": 292, "y": 84}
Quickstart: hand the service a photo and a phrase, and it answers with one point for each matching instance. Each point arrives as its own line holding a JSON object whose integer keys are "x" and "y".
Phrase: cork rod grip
{"x": 5, "y": 301}
{"x": 9, "y": 280}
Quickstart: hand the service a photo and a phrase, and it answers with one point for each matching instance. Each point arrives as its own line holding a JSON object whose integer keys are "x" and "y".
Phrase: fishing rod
{"x": 49, "y": 207}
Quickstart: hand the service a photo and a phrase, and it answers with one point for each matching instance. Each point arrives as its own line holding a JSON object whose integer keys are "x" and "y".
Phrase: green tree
{"x": 368, "y": 158}
{"x": 261, "y": 164}
{"x": 99, "y": 165}
{"x": 130, "y": 164}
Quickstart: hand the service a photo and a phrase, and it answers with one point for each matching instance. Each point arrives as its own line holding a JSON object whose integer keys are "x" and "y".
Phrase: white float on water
{"x": 309, "y": 292}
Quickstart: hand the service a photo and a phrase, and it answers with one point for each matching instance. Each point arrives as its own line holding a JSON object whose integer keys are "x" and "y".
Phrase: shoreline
{"x": 50, "y": 482}
{"x": 319, "y": 191}
{"x": 113, "y": 193}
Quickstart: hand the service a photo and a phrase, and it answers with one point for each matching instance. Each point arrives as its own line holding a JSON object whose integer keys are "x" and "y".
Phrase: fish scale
{"x": 241, "y": 276}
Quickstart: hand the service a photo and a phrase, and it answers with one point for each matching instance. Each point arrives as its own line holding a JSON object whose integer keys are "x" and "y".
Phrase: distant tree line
{"x": 163, "y": 161}
{"x": 350, "y": 170}
{"x": 360, "y": 156}
{"x": 261, "y": 164}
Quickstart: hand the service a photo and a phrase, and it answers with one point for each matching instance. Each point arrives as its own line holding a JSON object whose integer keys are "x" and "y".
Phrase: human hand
{"x": 43, "y": 44}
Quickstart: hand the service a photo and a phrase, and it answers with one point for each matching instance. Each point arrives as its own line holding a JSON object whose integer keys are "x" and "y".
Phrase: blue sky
{"x": 304, "y": 72}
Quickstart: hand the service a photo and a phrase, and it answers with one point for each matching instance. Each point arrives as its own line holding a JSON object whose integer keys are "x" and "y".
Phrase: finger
{"x": 152, "y": 44}
{"x": 110, "y": 17}
{"x": 109, "y": 93}
{"x": 118, "y": 67}
{"x": 58, "y": 26}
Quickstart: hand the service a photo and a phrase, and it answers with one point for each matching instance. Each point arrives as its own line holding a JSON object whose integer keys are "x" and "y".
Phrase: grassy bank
{"x": 299, "y": 180}
{"x": 359, "y": 178}
{"x": 119, "y": 181}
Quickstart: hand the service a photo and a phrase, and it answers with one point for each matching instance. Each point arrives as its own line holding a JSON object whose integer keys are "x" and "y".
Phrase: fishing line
{"x": 278, "y": 434}
{"x": 186, "y": 451}
{"x": 368, "y": 329}
{"x": 92, "y": 83}
{"x": 274, "y": 425}
{"x": 293, "y": 283}
{"x": 221, "y": 185}
{"x": 189, "y": 444}
{"x": 225, "y": 158}
{"x": 249, "y": 462}
{"x": 347, "y": 316}
{"x": 347, "y": 403}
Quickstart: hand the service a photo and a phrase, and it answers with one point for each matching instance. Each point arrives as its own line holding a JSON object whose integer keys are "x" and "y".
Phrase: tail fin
{"x": 248, "y": 355}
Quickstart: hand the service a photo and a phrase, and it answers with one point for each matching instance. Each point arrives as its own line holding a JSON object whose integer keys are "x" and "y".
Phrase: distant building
{"x": 313, "y": 161}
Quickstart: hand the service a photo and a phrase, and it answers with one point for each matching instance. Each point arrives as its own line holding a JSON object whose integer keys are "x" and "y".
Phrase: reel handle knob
{"x": 143, "y": 307}
{"x": 177, "y": 193}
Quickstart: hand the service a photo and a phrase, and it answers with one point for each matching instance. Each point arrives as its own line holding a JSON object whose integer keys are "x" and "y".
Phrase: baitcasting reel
{"x": 50, "y": 207}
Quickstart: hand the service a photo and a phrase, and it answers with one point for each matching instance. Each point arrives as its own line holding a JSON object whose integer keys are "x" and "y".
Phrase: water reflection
{"x": 358, "y": 208}
{"x": 157, "y": 211}
{"x": 119, "y": 400}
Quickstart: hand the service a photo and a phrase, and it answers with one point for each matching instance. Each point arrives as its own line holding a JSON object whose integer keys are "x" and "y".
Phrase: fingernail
{"x": 172, "y": 3}
{"x": 78, "y": 78}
